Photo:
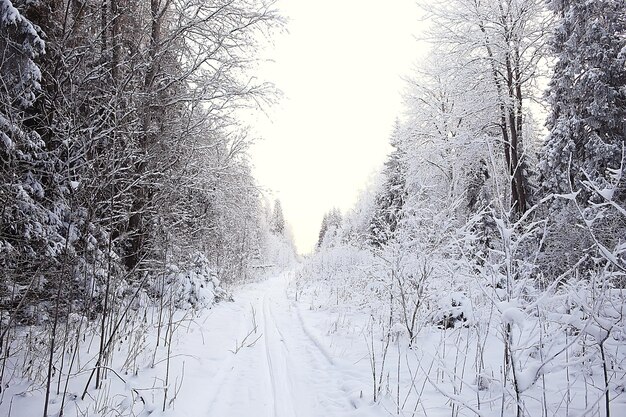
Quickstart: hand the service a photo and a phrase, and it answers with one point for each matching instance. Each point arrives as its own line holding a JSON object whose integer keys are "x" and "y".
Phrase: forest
{"x": 145, "y": 271}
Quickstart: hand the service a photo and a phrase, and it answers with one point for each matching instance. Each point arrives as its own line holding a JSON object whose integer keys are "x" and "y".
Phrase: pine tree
{"x": 322, "y": 232}
{"x": 329, "y": 230}
{"x": 31, "y": 230}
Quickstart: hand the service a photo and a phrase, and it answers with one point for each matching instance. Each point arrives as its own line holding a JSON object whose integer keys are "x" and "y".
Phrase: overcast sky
{"x": 339, "y": 67}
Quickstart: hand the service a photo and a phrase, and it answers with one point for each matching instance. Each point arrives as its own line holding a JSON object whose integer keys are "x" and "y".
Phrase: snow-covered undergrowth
{"x": 194, "y": 286}
{"x": 119, "y": 363}
{"x": 342, "y": 273}
{"x": 439, "y": 339}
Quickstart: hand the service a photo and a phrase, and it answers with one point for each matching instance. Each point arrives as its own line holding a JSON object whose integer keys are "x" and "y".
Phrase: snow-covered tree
{"x": 278, "y": 219}
{"x": 121, "y": 159}
{"x": 587, "y": 95}
{"x": 587, "y": 122}
{"x": 391, "y": 198}
{"x": 330, "y": 228}
{"x": 31, "y": 219}
{"x": 501, "y": 42}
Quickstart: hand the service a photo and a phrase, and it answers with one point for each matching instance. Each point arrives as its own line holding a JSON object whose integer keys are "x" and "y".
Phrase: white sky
{"x": 339, "y": 67}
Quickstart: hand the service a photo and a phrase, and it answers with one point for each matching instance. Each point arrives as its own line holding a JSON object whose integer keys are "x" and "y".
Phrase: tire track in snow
{"x": 280, "y": 333}
{"x": 311, "y": 395}
{"x": 346, "y": 374}
{"x": 224, "y": 376}
{"x": 288, "y": 373}
{"x": 294, "y": 385}
{"x": 321, "y": 371}
{"x": 268, "y": 357}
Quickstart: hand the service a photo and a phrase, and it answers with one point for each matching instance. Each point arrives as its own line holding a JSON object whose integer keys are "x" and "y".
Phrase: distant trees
{"x": 329, "y": 229}
{"x": 278, "y": 246}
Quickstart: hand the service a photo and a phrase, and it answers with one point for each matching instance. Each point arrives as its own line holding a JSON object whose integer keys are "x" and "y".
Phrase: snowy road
{"x": 280, "y": 370}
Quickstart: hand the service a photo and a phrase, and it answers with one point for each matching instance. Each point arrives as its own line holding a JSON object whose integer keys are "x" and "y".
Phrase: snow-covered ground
{"x": 251, "y": 357}
{"x": 281, "y": 369}
{"x": 270, "y": 353}
{"x": 438, "y": 377}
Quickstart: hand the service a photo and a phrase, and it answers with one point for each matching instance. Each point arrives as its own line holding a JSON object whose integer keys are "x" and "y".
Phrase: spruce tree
{"x": 331, "y": 224}
{"x": 587, "y": 126}
{"x": 390, "y": 200}
{"x": 587, "y": 95}
{"x": 322, "y": 232}
{"x": 30, "y": 226}
{"x": 278, "y": 220}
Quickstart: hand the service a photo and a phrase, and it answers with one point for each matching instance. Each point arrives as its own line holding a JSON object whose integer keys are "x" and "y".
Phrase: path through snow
{"x": 282, "y": 370}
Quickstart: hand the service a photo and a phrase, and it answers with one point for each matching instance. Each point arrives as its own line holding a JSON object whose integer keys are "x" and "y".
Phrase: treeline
{"x": 120, "y": 147}
{"x": 122, "y": 164}
{"x": 481, "y": 214}
{"x": 471, "y": 146}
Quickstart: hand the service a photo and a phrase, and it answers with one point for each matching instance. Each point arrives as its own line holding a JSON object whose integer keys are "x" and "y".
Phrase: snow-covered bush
{"x": 194, "y": 285}
{"x": 452, "y": 310}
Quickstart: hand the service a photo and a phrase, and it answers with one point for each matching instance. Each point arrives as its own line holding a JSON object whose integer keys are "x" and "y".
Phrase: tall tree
{"x": 390, "y": 200}
{"x": 587, "y": 95}
{"x": 31, "y": 213}
{"x": 502, "y": 41}
{"x": 278, "y": 219}
{"x": 128, "y": 115}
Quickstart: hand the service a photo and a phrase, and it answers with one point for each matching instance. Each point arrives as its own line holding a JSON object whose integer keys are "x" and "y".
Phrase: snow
{"x": 268, "y": 354}
{"x": 9, "y": 14}
{"x": 511, "y": 314}
{"x": 527, "y": 377}
{"x": 568, "y": 196}
{"x": 283, "y": 369}
{"x": 607, "y": 193}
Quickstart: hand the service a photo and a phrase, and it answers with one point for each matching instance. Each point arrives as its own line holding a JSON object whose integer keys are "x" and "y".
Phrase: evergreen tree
{"x": 278, "y": 220}
{"x": 587, "y": 94}
{"x": 322, "y": 232}
{"x": 587, "y": 126}
{"x": 391, "y": 198}
{"x": 331, "y": 223}
{"x": 31, "y": 228}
